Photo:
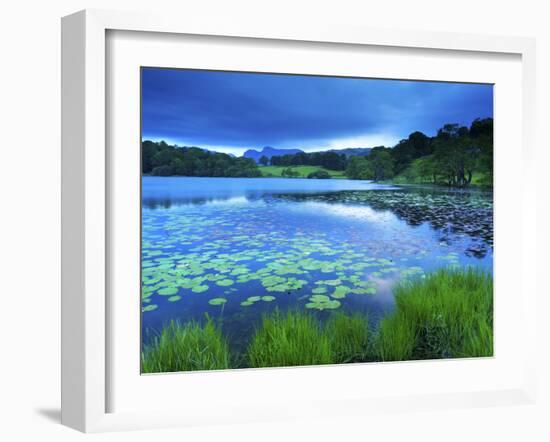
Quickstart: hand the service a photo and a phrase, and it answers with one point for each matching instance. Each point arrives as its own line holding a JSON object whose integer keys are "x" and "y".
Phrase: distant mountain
{"x": 353, "y": 151}
{"x": 269, "y": 152}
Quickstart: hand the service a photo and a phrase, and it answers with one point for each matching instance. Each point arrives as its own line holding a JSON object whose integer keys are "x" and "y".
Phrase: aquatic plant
{"x": 289, "y": 339}
{"x": 322, "y": 302}
{"x": 449, "y": 314}
{"x": 349, "y": 337}
{"x": 185, "y": 348}
{"x": 217, "y": 301}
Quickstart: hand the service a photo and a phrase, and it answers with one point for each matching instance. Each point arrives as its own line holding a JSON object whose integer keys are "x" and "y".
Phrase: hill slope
{"x": 269, "y": 152}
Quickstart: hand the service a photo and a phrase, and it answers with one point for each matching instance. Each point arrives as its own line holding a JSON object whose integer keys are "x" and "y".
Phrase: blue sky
{"x": 233, "y": 111}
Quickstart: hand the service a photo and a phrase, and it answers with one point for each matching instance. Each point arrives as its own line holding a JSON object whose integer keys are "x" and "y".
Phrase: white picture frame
{"x": 86, "y": 217}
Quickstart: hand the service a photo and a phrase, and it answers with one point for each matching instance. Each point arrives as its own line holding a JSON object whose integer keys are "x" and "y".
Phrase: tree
{"x": 359, "y": 168}
{"x": 381, "y": 163}
{"x": 329, "y": 160}
{"x": 161, "y": 159}
{"x": 481, "y": 133}
{"x": 426, "y": 169}
{"x": 455, "y": 155}
{"x": 409, "y": 149}
{"x": 163, "y": 171}
{"x": 264, "y": 161}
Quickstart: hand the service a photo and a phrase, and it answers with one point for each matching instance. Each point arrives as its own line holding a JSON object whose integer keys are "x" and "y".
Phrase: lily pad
{"x": 174, "y": 298}
{"x": 168, "y": 291}
{"x": 217, "y": 301}
{"x": 340, "y": 292}
{"x": 149, "y": 308}
{"x": 268, "y": 298}
{"x": 246, "y": 303}
{"x": 319, "y": 290}
{"x": 200, "y": 288}
{"x": 225, "y": 282}
{"x": 270, "y": 281}
{"x": 322, "y": 302}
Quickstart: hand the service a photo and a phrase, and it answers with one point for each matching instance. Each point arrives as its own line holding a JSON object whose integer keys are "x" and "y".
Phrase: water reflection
{"x": 452, "y": 214}
{"x": 204, "y": 239}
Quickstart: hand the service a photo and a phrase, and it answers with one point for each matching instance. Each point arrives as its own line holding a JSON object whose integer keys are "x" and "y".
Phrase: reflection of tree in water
{"x": 451, "y": 213}
{"x": 167, "y": 202}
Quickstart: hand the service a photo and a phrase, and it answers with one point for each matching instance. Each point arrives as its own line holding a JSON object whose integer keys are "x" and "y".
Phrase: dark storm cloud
{"x": 206, "y": 108}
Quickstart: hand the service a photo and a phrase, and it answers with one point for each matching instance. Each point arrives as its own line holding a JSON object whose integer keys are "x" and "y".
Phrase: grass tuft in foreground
{"x": 186, "y": 347}
{"x": 289, "y": 339}
{"x": 349, "y": 337}
{"x": 447, "y": 315}
{"x": 298, "y": 338}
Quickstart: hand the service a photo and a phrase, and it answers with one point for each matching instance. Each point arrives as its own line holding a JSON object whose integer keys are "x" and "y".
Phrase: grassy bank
{"x": 186, "y": 347}
{"x": 449, "y": 314}
{"x": 303, "y": 171}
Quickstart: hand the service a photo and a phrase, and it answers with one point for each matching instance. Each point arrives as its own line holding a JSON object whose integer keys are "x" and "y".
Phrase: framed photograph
{"x": 263, "y": 223}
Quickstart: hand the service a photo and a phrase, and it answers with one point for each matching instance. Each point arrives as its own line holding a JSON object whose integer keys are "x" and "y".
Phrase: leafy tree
{"x": 381, "y": 163}
{"x": 355, "y": 167}
{"x": 426, "y": 169}
{"x": 407, "y": 150}
{"x": 264, "y": 161}
{"x": 451, "y": 158}
{"x": 328, "y": 160}
{"x": 481, "y": 133}
{"x": 455, "y": 155}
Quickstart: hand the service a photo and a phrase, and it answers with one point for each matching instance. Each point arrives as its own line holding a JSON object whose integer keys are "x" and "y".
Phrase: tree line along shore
{"x": 457, "y": 156}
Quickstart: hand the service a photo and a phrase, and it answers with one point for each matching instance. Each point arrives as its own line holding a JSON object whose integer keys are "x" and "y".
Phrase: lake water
{"x": 235, "y": 248}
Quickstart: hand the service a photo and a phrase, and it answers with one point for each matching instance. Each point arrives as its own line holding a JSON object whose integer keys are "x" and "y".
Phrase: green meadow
{"x": 301, "y": 171}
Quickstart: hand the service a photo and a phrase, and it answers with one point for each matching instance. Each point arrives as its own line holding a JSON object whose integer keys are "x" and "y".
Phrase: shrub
{"x": 319, "y": 174}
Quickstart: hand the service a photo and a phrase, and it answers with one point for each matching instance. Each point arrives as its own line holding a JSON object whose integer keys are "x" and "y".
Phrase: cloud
{"x": 233, "y": 111}
{"x": 364, "y": 140}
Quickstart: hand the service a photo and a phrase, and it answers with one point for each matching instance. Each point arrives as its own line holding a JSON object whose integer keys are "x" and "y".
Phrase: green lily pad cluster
{"x": 322, "y": 302}
{"x": 252, "y": 299}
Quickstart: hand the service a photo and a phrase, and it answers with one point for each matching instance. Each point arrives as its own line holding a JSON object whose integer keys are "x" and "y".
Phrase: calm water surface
{"x": 235, "y": 247}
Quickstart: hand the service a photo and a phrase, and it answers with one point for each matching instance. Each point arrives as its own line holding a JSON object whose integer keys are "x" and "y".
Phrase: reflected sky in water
{"x": 240, "y": 239}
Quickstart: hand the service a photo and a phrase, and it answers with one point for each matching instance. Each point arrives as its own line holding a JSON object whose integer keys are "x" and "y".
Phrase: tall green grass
{"x": 298, "y": 338}
{"x": 349, "y": 337}
{"x": 447, "y": 315}
{"x": 289, "y": 339}
{"x": 186, "y": 348}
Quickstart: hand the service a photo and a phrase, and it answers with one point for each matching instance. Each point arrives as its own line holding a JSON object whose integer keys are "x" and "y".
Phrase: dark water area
{"x": 235, "y": 248}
